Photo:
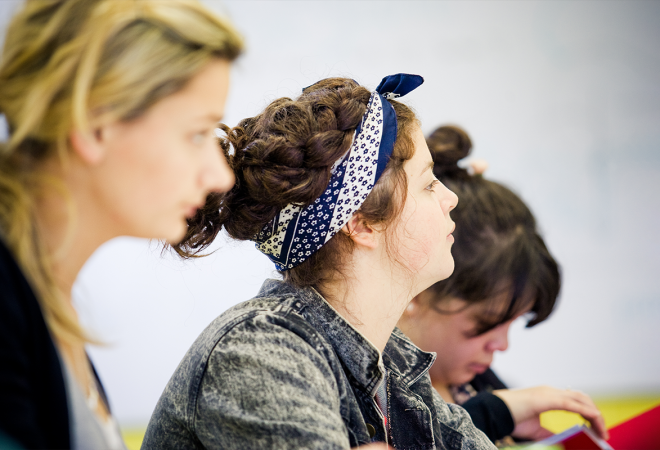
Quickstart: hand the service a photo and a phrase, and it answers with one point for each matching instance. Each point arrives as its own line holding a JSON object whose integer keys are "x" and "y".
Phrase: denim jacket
{"x": 285, "y": 371}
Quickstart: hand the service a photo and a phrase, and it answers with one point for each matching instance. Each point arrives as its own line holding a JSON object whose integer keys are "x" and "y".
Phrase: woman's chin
{"x": 172, "y": 234}
{"x": 469, "y": 373}
{"x": 477, "y": 369}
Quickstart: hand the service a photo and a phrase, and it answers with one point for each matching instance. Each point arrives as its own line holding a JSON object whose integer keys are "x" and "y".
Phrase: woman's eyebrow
{"x": 427, "y": 167}
{"x": 211, "y": 117}
{"x": 488, "y": 316}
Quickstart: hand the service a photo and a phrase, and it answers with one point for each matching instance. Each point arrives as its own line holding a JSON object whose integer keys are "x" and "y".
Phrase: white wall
{"x": 563, "y": 100}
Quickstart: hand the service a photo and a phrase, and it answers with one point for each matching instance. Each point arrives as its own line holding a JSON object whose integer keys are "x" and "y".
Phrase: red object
{"x": 580, "y": 437}
{"x": 581, "y": 441}
{"x": 642, "y": 432}
{"x": 639, "y": 433}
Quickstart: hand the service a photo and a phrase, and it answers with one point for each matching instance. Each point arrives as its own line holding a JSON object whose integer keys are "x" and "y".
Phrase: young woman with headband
{"x": 503, "y": 270}
{"x": 111, "y": 108}
{"x": 336, "y": 188}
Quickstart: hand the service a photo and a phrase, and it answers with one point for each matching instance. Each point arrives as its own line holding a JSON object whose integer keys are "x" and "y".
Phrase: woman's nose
{"x": 216, "y": 175}
{"x": 449, "y": 199}
{"x": 500, "y": 339}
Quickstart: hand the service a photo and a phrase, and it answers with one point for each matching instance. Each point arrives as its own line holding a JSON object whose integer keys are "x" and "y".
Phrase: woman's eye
{"x": 199, "y": 138}
{"x": 473, "y": 332}
{"x": 431, "y": 186}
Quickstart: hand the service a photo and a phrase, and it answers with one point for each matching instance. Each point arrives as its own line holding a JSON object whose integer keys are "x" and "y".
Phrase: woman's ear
{"x": 413, "y": 307}
{"x": 88, "y": 145}
{"x": 361, "y": 233}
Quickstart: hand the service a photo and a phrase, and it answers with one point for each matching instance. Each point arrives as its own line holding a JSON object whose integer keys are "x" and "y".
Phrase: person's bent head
{"x": 503, "y": 270}
{"x": 290, "y": 161}
{"x": 112, "y": 106}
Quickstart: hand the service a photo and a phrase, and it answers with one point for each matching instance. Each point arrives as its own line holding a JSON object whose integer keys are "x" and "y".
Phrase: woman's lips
{"x": 478, "y": 368}
{"x": 191, "y": 210}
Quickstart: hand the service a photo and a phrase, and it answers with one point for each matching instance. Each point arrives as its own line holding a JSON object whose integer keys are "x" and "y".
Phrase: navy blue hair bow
{"x": 398, "y": 85}
{"x": 295, "y": 233}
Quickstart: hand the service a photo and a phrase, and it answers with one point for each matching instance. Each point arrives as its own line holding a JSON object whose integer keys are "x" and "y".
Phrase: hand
{"x": 526, "y": 405}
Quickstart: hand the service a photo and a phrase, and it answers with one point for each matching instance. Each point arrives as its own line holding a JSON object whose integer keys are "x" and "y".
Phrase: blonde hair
{"x": 71, "y": 64}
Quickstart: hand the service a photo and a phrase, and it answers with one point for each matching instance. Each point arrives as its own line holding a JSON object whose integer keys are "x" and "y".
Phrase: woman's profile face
{"x": 423, "y": 233}
{"x": 462, "y": 353}
{"x": 158, "y": 169}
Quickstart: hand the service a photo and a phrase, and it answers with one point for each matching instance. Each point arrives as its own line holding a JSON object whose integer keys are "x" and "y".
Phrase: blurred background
{"x": 562, "y": 98}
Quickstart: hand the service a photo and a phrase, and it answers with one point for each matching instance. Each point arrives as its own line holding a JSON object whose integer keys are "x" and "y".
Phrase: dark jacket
{"x": 286, "y": 371}
{"x": 33, "y": 402}
{"x": 489, "y": 412}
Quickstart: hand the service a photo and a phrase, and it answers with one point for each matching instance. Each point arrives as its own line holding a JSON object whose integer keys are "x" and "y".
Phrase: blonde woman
{"x": 111, "y": 107}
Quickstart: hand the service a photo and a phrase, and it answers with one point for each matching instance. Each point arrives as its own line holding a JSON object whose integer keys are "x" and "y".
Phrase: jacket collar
{"x": 362, "y": 361}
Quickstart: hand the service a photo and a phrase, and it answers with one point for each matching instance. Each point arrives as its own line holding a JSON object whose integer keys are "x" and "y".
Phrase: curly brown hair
{"x": 284, "y": 155}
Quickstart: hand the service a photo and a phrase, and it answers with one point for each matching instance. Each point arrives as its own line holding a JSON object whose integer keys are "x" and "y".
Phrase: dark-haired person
{"x": 112, "y": 108}
{"x": 337, "y": 188}
{"x": 503, "y": 270}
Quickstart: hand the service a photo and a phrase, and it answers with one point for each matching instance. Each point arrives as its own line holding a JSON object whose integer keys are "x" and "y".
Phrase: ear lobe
{"x": 88, "y": 145}
{"x": 361, "y": 233}
{"x": 413, "y": 307}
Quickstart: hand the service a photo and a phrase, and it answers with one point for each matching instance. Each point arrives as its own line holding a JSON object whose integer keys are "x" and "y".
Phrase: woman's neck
{"x": 71, "y": 231}
{"x": 444, "y": 391}
{"x": 67, "y": 226}
{"x": 371, "y": 298}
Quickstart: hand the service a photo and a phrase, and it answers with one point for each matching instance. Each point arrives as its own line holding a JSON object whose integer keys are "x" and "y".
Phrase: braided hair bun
{"x": 283, "y": 155}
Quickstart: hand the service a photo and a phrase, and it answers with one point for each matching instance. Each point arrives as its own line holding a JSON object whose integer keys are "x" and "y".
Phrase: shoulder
{"x": 265, "y": 345}
{"x": 258, "y": 362}
{"x": 17, "y": 301}
{"x": 254, "y": 323}
{"x": 259, "y": 332}
{"x": 31, "y": 384}
{"x": 21, "y": 319}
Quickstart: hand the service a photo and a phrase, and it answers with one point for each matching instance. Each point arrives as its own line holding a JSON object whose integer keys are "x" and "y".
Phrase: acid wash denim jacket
{"x": 285, "y": 371}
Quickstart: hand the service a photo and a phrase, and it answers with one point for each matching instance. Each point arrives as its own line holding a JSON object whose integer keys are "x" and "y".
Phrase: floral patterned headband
{"x": 295, "y": 233}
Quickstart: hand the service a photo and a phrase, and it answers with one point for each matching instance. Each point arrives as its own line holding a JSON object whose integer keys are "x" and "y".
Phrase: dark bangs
{"x": 499, "y": 257}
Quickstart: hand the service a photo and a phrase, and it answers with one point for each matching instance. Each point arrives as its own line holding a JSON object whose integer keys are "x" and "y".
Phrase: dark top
{"x": 285, "y": 371}
{"x": 33, "y": 401}
{"x": 489, "y": 412}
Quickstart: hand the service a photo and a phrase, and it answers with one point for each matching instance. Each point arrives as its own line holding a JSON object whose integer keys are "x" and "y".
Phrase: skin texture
{"x": 525, "y": 406}
{"x": 462, "y": 354}
{"x": 377, "y": 288}
{"x": 155, "y": 171}
{"x": 423, "y": 236}
{"x": 140, "y": 178}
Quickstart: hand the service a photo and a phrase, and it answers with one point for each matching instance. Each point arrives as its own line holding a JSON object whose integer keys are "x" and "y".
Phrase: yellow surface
{"x": 615, "y": 410}
{"x": 133, "y": 438}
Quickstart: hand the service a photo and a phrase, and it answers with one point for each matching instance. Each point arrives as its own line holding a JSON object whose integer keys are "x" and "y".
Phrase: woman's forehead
{"x": 493, "y": 309}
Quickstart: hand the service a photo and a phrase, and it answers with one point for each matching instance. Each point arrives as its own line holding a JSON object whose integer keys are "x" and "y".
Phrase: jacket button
{"x": 371, "y": 430}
